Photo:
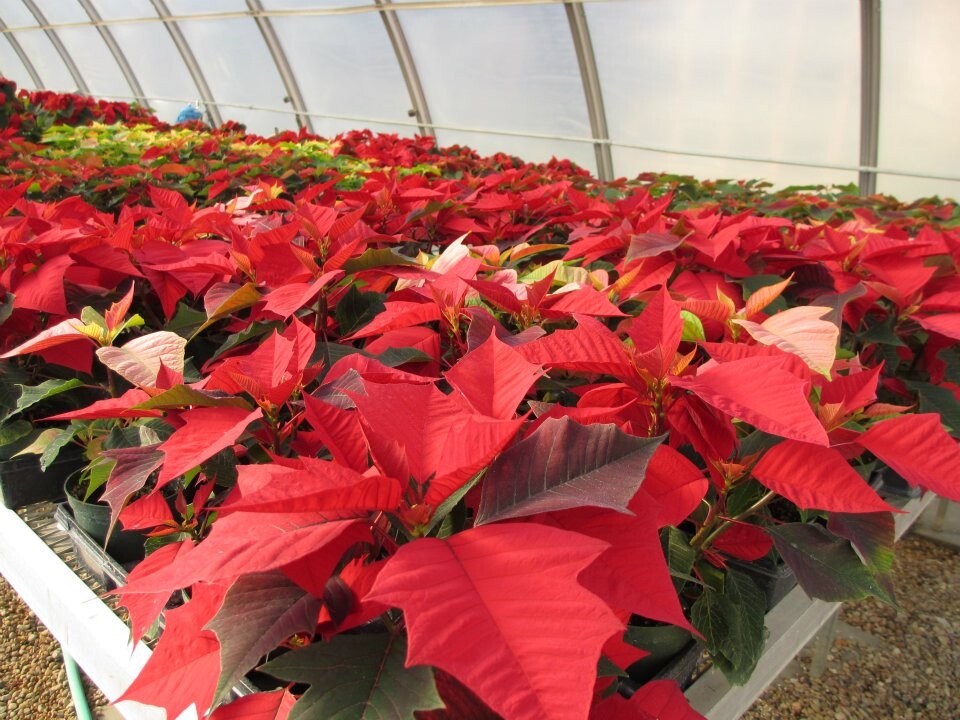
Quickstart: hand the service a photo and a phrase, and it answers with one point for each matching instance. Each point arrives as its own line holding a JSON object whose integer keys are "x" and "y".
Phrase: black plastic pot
{"x": 674, "y": 654}
{"x": 774, "y": 579}
{"x": 887, "y": 483}
{"x": 22, "y": 482}
{"x": 125, "y": 546}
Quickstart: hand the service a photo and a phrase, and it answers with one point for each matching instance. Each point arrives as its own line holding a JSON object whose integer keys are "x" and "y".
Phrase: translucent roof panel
{"x": 95, "y": 62}
{"x": 729, "y": 78}
{"x": 240, "y": 72}
{"x": 919, "y": 103}
{"x": 152, "y": 55}
{"x": 11, "y": 66}
{"x": 124, "y": 9}
{"x": 767, "y": 89}
{"x": 45, "y": 58}
{"x": 344, "y": 65}
{"x": 511, "y": 68}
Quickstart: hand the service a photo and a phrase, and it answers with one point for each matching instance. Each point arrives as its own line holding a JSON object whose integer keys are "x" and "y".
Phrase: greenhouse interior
{"x": 479, "y": 359}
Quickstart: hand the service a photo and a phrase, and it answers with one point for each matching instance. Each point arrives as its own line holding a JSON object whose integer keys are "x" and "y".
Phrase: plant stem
{"x": 703, "y": 540}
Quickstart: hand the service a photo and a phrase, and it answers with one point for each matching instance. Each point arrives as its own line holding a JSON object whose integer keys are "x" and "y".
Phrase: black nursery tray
{"x": 23, "y": 483}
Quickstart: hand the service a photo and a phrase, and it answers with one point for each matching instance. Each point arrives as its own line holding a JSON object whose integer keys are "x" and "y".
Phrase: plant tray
{"x": 23, "y": 483}
{"x": 107, "y": 571}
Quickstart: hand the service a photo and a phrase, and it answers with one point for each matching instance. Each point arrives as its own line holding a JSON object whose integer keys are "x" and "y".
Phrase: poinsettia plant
{"x": 458, "y": 428}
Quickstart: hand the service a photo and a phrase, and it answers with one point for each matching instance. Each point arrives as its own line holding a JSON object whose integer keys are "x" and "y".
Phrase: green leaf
{"x": 52, "y": 451}
{"x": 744, "y": 646}
{"x": 357, "y": 677}
{"x": 871, "y": 534}
{"x": 936, "y": 399}
{"x": 826, "y": 566}
{"x": 756, "y": 441}
{"x": 330, "y": 353}
{"x": 182, "y": 396}
{"x": 679, "y": 555}
{"x": 607, "y": 668}
{"x": 97, "y": 474}
{"x": 355, "y": 309}
{"x": 692, "y": 327}
{"x": 443, "y": 510}
{"x": 185, "y": 320}
{"x": 374, "y": 258}
{"x": 732, "y": 623}
{"x": 882, "y": 333}
{"x": 744, "y": 496}
{"x": 31, "y": 395}
{"x": 260, "y": 611}
{"x": 14, "y": 431}
{"x": 89, "y": 316}
{"x": 255, "y": 330}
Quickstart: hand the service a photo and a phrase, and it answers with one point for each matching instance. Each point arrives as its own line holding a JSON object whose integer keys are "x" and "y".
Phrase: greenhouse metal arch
{"x": 855, "y": 92}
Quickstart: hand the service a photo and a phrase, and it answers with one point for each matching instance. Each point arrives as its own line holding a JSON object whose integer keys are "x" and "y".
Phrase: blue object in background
{"x": 190, "y": 112}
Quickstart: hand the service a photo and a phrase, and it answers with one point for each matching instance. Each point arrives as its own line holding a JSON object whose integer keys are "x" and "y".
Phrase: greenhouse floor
{"x": 883, "y": 663}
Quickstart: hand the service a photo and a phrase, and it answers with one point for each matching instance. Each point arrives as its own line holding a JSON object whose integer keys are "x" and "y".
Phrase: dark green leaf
{"x": 260, "y": 611}
{"x": 940, "y": 400}
{"x": 185, "y": 321}
{"x": 732, "y": 623}
{"x": 330, "y": 353}
{"x": 757, "y": 441}
{"x": 357, "y": 677}
{"x": 871, "y": 534}
{"x": 744, "y": 496}
{"x": 826, "y": 566}
{"x": 355, "y": 309}
{"x": 255, "y": 330}
{"x": 882, "y": 333}
{"x": 11, "y": 432}
{"x": 444, "y": 509}
{"x": 221, "y": 468}
{"x": 607, "y": 668}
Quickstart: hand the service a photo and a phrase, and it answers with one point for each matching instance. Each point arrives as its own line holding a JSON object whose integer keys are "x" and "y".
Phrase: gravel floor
{"x": 33, "y": 682}
{"x": 902, "y": 664}
{"x": 898, "y": 663}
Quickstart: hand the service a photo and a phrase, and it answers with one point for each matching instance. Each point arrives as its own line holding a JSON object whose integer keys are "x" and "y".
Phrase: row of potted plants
{"x": 468, "y": 429}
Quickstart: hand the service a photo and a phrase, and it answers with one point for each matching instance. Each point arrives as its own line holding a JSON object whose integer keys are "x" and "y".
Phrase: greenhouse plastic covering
{"x": 812, "y": 92}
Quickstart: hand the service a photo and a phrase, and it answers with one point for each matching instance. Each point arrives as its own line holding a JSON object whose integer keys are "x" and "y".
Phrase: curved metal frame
{"x": 408, "y": 67}
{"x": 128, "y": 74}
{"x": 24, "y": 58}
{"x": 283, "y": 65}
{"x": 870, "y": 26}
{"x": 193, "y": 67}
{"x": 591, "y": 88}
{"x": 60, "y": 47}
{"x": 870, "y": 19}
